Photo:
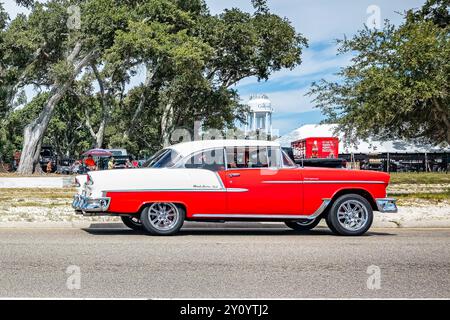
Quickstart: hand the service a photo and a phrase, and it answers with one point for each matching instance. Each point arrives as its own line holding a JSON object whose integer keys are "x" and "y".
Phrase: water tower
{"x": 259, "y": 117}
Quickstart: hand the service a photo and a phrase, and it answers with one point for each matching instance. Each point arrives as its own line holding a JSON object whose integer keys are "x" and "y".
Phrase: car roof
{"x": 186, "y": 148}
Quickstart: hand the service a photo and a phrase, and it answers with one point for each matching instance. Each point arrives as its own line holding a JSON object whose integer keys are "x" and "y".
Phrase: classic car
{"x": 226, "y": 180}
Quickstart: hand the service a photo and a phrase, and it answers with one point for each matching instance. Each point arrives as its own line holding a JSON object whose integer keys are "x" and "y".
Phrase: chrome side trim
{"x": 321, "y": 181}
{"x": 179, "y": 190}
{"x": 167, "y": 190}
{"x": 283, "y": 181}
{"x": 317, "y": 213}
{"x": 236, "y": 190}
{"x": 342, "y": 181}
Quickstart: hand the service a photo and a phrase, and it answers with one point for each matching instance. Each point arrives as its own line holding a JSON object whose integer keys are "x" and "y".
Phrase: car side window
{"x": 274, "y": 156}
{"x": 247, "y": 157}
{"x": 287, "y": 161}
{"x": 208, "y": 159}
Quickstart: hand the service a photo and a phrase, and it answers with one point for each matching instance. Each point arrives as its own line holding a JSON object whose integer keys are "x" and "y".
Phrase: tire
{"x": 132, "y": 222}
{"x": 303, "y": 225}
{"x": 350, "y": 215}
{"x": 163, "y": 218}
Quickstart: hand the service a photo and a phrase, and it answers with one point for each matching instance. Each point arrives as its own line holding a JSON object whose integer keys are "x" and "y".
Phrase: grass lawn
{"x": 421, "y": 177}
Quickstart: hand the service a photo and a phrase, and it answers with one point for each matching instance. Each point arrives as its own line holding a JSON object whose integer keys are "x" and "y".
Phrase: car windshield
{"x": 164, "y": 158}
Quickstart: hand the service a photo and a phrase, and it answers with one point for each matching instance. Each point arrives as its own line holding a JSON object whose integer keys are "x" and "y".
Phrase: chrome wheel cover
{"x": 163, "y": 216}
{"x": 352, "y": 215}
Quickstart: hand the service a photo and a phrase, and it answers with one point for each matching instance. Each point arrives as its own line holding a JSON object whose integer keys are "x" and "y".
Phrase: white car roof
{"x": 186, "y": 148}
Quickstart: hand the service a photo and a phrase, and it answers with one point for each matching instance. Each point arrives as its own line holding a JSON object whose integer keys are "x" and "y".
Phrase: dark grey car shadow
{"x": 215, "y": 229}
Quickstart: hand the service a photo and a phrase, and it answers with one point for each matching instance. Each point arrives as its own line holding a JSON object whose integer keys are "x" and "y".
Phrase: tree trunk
{"x": 149, "y": 77}
{"x": 100, "y": 134}
{"x": 444, "y": 117}
{"x": 166, "y": 124}
{"x": 34, "y": 132}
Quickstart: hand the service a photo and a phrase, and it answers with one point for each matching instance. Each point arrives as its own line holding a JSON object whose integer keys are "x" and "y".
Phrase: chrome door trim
{"x": 342, "y": 181}
{"x": 237, "y": 190}
{"x": 323, "y": 181}
{"x": 283, "y": 181}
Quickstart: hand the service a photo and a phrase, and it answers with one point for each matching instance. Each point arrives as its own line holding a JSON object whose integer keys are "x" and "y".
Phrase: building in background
{"x": 386, "y": 155}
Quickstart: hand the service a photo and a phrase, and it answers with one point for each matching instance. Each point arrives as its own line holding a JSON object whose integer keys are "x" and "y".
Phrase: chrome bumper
{"x": 386, "y": 205}
{"x": 86, "y": 204}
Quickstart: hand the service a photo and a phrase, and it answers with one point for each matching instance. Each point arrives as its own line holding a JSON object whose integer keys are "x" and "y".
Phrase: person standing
{"x": 111, "y": 163}
{"x": 49, "y": 167}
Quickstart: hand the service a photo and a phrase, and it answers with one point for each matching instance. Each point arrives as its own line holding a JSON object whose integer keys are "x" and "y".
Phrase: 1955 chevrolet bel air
{"x": 226, "y": 180}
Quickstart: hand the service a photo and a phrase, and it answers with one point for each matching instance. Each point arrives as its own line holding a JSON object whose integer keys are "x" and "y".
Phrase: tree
{"x": 194, "y": 55}
{"x": 63, "y": 52}
{"x": 397, "y": 85}
{"x": 191, "y": 59}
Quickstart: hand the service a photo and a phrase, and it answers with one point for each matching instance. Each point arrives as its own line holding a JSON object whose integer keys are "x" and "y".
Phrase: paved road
{"x": 265, "y": 261}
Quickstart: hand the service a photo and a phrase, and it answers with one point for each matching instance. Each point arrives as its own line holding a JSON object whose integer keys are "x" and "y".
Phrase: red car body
{"x": 277, "y": 191}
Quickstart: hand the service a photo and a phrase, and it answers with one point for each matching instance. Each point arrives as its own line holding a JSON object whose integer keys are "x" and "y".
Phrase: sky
{"x": 321, "y": 22}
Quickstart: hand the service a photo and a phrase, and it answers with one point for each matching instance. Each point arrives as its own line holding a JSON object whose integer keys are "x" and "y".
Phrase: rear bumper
{"x": 386, "y": 205}
{"x": 83, "y": 204}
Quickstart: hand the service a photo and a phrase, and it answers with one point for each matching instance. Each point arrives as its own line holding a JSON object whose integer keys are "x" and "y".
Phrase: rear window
{"x": 164, "y": 158}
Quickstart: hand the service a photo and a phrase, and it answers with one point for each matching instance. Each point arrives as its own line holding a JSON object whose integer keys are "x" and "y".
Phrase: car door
{"x": 210, "y": 201}
{"x": 257, "y": 183}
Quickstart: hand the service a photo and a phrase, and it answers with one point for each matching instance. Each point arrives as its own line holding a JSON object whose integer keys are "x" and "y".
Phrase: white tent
{"x": 371, "y": 146}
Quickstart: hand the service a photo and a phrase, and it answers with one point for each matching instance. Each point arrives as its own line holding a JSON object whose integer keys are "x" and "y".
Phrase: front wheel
{"x": 132, "y": 222}
{"x": 350, "y": 215}
{"x": 303, "y": 225}
{"x": 163, "y": 218}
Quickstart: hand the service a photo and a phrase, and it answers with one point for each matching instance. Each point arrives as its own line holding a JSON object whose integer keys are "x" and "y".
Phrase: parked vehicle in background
{"x": 221, "y": 180}
{"x": 48, "y": 155}
{"x": 120, "y": 158}
{"x": 65, "y": 166}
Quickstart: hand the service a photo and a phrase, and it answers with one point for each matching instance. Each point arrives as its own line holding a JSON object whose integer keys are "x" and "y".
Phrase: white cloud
{"x": 324, "y": 20}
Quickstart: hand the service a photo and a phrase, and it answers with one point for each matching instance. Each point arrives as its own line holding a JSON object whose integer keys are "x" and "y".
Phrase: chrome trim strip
{"x": 236, "y": 190}
{"x": 321, "y": 182}
{"x": 179, "y": 190}
{"x": 167, "y": 190}
{"x": 318, "y": 212}
{"x": 343, "y": 181}
{"x": 283, "y": 182}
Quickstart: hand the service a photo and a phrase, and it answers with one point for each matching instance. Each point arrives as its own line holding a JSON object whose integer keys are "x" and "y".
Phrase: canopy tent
{"x": 361, "y": 146}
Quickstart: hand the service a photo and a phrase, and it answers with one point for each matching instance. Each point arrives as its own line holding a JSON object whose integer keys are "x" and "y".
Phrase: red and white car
{"x": 224, "y": 180}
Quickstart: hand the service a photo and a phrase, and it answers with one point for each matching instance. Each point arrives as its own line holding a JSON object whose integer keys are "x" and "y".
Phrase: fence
{"x": 400, "y": 162}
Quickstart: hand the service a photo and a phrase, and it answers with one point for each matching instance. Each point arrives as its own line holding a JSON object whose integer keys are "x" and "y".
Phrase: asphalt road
{"x": 210, "y": 261}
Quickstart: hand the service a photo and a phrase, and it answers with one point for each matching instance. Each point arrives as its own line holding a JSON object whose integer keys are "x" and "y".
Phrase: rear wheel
{"x": 132, "y": 222}
{"x": 303, "y": 225}
{"x": 350, "y": 215}
{"x": 163, "y": 218}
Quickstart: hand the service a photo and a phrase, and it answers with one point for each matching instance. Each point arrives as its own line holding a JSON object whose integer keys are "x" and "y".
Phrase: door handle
{"x": 232, "y": 175}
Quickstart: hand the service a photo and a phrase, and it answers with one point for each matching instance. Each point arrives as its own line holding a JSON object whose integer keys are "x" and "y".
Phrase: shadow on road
{"x": 223, "y": 230}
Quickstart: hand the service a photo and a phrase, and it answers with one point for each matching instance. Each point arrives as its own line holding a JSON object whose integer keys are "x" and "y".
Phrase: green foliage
{"x": 397, "y": 85}
{"x": 192, "y": 60}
